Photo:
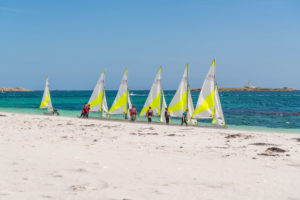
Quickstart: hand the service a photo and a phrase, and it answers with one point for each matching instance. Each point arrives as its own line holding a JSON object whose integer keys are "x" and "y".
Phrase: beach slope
{"x": 45, "y": 157}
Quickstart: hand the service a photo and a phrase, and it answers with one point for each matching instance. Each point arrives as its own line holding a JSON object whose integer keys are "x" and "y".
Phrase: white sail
{"x": 96, "y": 98}
{"x": 191, "y": 108}
{"x": 209, "y": 105}
{"x": 218, "y": 117}
{"x": 129, "y": 104}
{"x": 206, "y": 100}
{"x": 154, "y": 97}
{"x": 46, "y": 100}
{"x": 179, "y": 102}
{"x": 163, "y": 108}
{"x": 119, "y": 105}
{"x": 104, "y": 105}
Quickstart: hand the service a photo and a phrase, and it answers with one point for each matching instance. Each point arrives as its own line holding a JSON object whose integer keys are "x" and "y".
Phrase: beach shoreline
{"x": 49, "y": 157}
{"x": 200, "y": 125}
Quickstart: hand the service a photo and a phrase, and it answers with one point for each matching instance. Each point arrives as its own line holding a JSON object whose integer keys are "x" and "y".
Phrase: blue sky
{"x": 72, "y": 41}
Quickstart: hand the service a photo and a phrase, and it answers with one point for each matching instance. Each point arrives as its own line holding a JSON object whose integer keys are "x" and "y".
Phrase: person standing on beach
{"x": 167, "y": 116}
{"x": 149, "y": 115}
{"x": 133, "y": 113}
{"x": 83, "y": 110}
{"x": 55, "y": 112}
{"x": 184, "y": 117}
{"x": 87, "y": 110}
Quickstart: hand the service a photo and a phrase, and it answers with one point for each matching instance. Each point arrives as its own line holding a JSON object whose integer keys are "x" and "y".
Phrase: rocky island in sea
{"x": 284, "y": 89}
{"x": 250, "y": 87}
{"x": 16, "y": 89}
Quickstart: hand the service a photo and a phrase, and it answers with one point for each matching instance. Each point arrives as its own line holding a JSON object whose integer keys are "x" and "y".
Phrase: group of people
{"x": 133, "y": 113}
{"x": 150, "y": 115}
{"x": 85, "y": 110}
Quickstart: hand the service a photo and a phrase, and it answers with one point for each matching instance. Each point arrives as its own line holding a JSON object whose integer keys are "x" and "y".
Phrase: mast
{"x": 187, "y": 88}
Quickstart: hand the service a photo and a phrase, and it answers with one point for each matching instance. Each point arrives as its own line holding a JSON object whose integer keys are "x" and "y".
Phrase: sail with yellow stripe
{"x": 46, "y": 100}
{"x": 97, "y": 100}
{"x": 179, "y": 102}
{"x": 120, "y": 104}
{"x": 154, "y": 97}
{"x": 218, "y": 116}
{"x": 208, "y": 105}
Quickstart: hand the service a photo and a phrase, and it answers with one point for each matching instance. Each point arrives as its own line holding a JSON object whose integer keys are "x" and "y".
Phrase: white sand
{"x": 45, "y": 157}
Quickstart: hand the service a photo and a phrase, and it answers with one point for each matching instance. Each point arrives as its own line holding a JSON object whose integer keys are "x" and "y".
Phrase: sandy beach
{"x": 45, "y": 157}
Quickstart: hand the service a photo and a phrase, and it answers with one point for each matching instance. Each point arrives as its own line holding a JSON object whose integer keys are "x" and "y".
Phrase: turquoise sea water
{"x": 275, "y": 111}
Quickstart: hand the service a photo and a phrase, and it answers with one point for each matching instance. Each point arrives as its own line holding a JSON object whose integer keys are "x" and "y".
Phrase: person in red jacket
{"x": 87, "y": 110}
{"x": 83, "y": 110}
{"x": 133, "y": 113}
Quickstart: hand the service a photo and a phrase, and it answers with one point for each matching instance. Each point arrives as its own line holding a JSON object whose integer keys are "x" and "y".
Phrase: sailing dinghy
{"x": 46, "y": 100}
{"x": 154, "y": 97}
{"x": 182, "y": 99}
{"x": 122, "y": 100}
{"x": 209, "y": 104}
{"x": 97, "y": 100}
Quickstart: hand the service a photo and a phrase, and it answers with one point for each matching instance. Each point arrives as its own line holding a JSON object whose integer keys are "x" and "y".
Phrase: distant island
{"x": 250, "y": 87}
{"x": 284, "y": 89}
{"x": 16, "y": 89}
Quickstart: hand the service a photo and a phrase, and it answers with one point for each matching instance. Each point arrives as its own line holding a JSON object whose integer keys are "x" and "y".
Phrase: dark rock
{"x": 275, "y": 149}
{"x": 266, "y": 154}
{"x": 171, "y": 134}
{"x": 262, "y": 144}
{"x": 297, "y": 139}
{"x": 152, "y": 133}
{"x": 248, "y": 136}
{"x": 233, "y": 136}
{"x": 88, "y": 125}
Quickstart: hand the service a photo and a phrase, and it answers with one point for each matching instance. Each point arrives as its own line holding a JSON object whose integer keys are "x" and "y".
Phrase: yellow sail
{"x": 46, "y": 100}
{"x": 180, "y": 100}
{"x": 154, "y": 97}
{"x": 96, "y": 98}
{"x": 120, "y": 103}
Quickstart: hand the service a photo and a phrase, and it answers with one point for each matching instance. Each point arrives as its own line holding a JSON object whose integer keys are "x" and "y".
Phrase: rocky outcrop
{"x": 284, "y": 89}
{"x": 16, "y": 89}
